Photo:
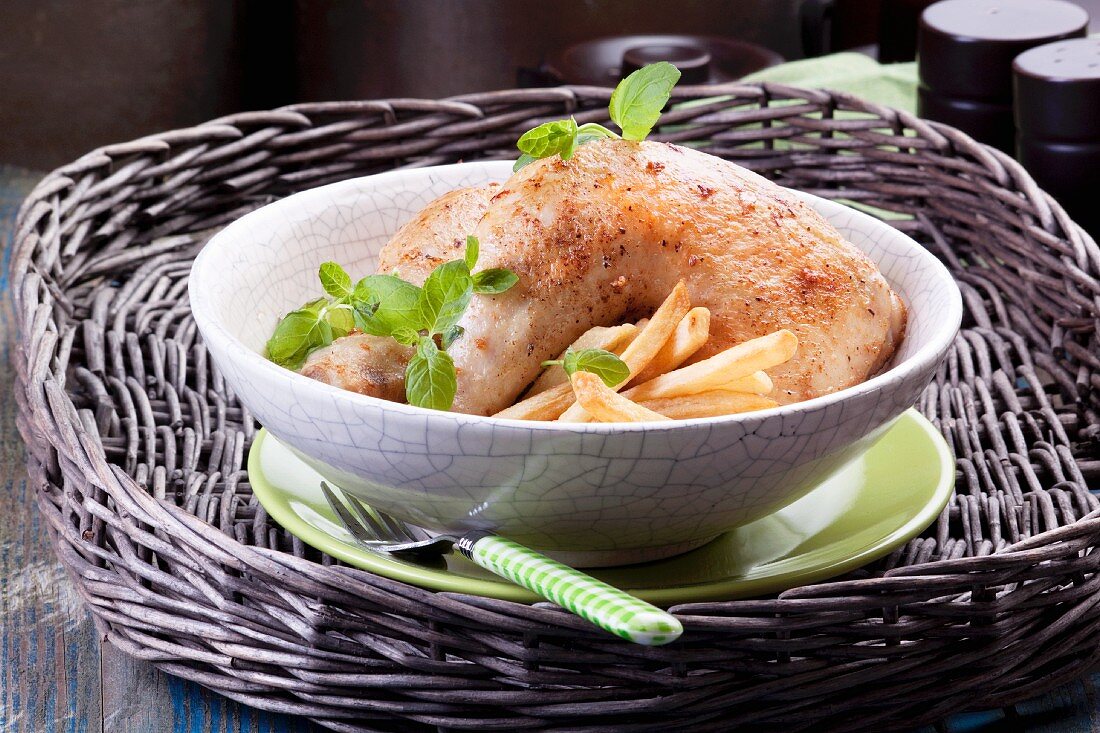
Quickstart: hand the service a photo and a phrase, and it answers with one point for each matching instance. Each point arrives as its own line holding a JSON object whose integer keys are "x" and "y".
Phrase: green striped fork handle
{"x": 595, "y": 601}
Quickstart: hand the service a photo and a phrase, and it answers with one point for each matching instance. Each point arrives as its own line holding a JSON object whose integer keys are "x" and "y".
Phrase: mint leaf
{"x": 635, "y": 106}
{"x": 605, "y": 365}
{"x": 493, "y": 281}
{"x": 406, "y": 336}
{"x": 637, "y": 101}
{"x": 550, "y": 138}
{"x": 445, "y": 295}
{"x": 473, "y": 251}
{"x": 341, "y": 319}
{"x": 384, "y": 303}
{"x": 451, "y": 335}
{"x": 560, "y": 137}
{"x": 298, "y": 333}
{"x": 430, "y": 379}
{"x": 523, "y": 160}
{"x": 315, "y": 305}
{"x": 335, "y": 280}
{"x": 590, "y": 131}
{"x": 587, "y": 137}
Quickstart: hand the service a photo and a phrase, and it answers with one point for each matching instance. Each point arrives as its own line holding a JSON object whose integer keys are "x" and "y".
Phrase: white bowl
{"x": 589, "y": 493}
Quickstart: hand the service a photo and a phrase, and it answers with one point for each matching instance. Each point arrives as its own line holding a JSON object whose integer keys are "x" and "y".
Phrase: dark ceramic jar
{"x": 965, "y": 51}
{"x": 1057, "y": 89}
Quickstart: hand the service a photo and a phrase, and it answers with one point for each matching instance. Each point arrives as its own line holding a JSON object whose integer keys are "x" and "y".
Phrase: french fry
{"x": 721, "y": 369}
{"x": 613, "y": 339}
{"x": 649, "y": 341}
{"x": 756, "y": 383}
{"x": 740, "y": 395}
{"x": 607, "y": 405}
{"x": 708, "y": 404}
{"x": 554, "y": 402}
{"x": 657, "y": 330}
{"x": 690, "y": 334}
{"x": 548, "y": 405}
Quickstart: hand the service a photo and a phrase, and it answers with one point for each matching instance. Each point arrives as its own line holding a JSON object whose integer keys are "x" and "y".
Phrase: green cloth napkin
{"x": 892, "y": 85}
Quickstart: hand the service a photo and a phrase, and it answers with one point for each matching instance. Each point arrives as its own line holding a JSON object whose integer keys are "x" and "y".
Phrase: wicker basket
{"x": 137, "y": 448}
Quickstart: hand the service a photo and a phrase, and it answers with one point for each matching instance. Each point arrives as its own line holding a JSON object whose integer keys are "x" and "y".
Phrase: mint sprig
{"x": 311, "y": 326}
{"x": 297, "y": 334}
{"x": 385, "y": 305}
{"x": 560, "y": 137}
{"x": 473, "y": 251}
{"x": 334, "y": 280}
{"x": 637, "y": 101}
{"x": 635, "y": 107}
{"x": 550, "y": 138}
{"x": 494, "y": 280}
{"x": 444, "y": 296}
{"x": 430, "y": 377}
{"x": 523, "y": 161}
{"x": 604, "y": 364}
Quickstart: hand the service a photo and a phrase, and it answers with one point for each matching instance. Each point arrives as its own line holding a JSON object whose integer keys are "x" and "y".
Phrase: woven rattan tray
{"x": 137, "y": 449}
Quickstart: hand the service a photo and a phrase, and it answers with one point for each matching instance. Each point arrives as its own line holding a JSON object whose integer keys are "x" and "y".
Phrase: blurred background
{"x": 83, "y": 73}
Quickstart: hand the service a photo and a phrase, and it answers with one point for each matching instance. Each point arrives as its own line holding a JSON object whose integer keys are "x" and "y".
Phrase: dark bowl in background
{"x": 701, "y": 59}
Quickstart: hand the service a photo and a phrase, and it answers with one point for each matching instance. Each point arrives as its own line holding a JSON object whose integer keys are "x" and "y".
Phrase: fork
{"x": 593, "y": 600}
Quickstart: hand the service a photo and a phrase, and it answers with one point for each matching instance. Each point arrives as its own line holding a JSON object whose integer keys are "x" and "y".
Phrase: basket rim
{"x": 1020, "y": 597}
{"x": 940, "y": 134}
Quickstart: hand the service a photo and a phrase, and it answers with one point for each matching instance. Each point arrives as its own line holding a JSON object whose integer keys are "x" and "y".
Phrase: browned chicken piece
{"x": 437, "y": 234}
{"x": 362, "y": 363}
{"x": 602, "y": 238}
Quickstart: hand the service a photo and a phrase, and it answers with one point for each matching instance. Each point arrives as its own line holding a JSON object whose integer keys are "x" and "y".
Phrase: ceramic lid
{"x": 701, "y": 59}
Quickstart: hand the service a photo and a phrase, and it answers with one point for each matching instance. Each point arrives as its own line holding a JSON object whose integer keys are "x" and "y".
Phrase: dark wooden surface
{"x": 56, "y": 675}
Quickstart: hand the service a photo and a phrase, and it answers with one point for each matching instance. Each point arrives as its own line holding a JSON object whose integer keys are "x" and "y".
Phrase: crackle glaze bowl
{"x": 590, "y": 494}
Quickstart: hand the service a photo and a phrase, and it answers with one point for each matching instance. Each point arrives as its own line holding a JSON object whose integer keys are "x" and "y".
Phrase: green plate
{"x": 873, "y": 505}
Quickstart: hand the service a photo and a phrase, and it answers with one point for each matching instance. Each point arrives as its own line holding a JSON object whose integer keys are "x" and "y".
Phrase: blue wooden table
{"x": 56, "y": 675}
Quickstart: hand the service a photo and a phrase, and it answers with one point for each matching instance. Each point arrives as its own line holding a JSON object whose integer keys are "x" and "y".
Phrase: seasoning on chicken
{"x": 602, "y": 238}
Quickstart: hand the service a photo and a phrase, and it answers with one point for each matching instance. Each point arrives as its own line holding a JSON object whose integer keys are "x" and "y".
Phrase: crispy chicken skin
{"x": 603, "y": 237}
{"x": 437, "y": 234}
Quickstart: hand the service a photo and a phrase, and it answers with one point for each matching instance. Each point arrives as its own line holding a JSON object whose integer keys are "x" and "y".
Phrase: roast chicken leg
{"x": 602, "y": 238}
